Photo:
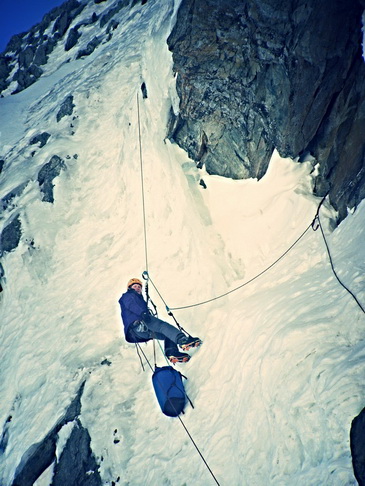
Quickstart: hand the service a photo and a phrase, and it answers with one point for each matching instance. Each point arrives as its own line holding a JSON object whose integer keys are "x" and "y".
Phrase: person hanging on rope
{"x": 141, "y": 326}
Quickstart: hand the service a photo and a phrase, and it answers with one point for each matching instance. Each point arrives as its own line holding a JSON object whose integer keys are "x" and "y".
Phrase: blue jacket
{"x": 132, "y": 306}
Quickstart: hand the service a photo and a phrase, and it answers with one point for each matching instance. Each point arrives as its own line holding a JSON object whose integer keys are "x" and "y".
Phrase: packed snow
{"x": 279, "y": 376}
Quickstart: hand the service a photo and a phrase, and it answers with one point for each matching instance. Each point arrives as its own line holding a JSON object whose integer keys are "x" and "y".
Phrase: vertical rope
{"x": 182, "y": 423}
{"x": 333, "y": 268}
{"x": 142, "y": 187}
{"x": 139, "y": 356}
{"x": 317, "y": 224}
{"x": 197, "y": 448}
{"x": 154, "y": 348}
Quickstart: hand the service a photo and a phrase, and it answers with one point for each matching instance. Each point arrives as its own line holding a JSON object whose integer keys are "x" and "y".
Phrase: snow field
{"x": 280, "y": 374}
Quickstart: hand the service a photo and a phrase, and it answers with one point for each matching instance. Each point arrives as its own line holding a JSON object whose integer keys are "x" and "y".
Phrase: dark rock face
{"x": 339, "y": 144}
{"x": 48, "y": 172}
{"x": 66, "y": 108}
{"x": 26, "y": 77}
{"x": 10, "y": 236}
{"x": 112, "y": 11}
{"x": 39, "y": 459}
{"x": 357, "y": 442}
{"x": 72, "y": 38}
{"x": 30, "y": 50}
{"x": 258, "y": 75}
{"x": 5, "y": 434}
{"x": 41, "y": 138}
{"x": 7, "y": 200}
{"x": 77, "y": 465}
{"x": 89, "y": 49}
{"x": 144, "y": 91}
{"x": 5, "y": 70}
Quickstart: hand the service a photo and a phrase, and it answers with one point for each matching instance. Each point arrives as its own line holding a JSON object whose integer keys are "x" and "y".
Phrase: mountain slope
{"x": 279, "y": 376}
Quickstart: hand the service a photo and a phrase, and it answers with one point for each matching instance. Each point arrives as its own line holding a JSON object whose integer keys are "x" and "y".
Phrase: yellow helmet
{"x": 134, "y": 281}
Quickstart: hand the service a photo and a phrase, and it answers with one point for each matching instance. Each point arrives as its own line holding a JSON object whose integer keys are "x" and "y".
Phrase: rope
{"x": 154, "y": 348}
{"x": 138, "y": 346}
{"x": 333, "y": 268}
{"x": 245, "y": 283}
{"x": 196, "y": 447}
{"x": 315, "y": 224}
{"x": 182, "y": 423}
{"x": 142, "y": 186}
{"x": 139, "y": 356}
{"x": 154, "y": 286}
{"x": 164, "y": 355}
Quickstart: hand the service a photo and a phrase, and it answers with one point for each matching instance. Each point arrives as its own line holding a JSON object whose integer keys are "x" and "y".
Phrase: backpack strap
{"x": 187, "y": 396}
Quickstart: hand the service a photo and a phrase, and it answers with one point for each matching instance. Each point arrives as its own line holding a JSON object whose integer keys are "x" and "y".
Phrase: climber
{"x": 140, "y": 325}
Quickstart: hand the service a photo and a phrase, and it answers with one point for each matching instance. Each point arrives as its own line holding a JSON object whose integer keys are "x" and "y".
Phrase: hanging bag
{"x": 170, "y": 391}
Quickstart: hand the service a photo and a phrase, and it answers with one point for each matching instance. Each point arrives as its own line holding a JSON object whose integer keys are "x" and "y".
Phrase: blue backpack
{"x": 170, "y": 391}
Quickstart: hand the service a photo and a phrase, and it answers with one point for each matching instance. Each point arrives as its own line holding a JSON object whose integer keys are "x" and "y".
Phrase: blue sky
{"x": 20, "y": 15}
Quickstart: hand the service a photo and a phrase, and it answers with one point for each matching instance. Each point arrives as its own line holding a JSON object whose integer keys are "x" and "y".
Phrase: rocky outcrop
{"x": 90, "y": 48}
{"x": 41, "y": 139}
{"x": 48, "y": 172}
{"x": 21, "y": 64}
{"x": 257, "y": 75}
{"x": 26, "y": 55}
{"x": 66, "y": 108}
{"x": 30, "y": 50}
{"x": 72, "y": 38}
{"x": 339, "y": 144}
{"x": 10, "y": 236}
{"x": 112, "y": 11}
{"x": 76, "y": 465}
{"x": 357, "y": 443}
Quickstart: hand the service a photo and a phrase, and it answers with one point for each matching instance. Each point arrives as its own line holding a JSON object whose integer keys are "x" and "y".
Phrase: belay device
{"x": 170, "y": 391}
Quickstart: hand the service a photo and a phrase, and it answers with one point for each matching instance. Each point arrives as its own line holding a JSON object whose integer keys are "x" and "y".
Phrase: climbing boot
{"x": 188, "y": 342}
{"x": 177, "y": 357}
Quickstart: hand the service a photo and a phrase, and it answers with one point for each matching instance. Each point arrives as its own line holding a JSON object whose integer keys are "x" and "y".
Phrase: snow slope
{"x": 280, "y": 374}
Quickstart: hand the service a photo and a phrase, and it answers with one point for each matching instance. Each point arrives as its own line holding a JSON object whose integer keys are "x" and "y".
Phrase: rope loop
{"x": 315, "y": 223}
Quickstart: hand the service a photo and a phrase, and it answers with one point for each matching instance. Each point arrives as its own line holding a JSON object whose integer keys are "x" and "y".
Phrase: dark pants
{"x": 155, "y": 328}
